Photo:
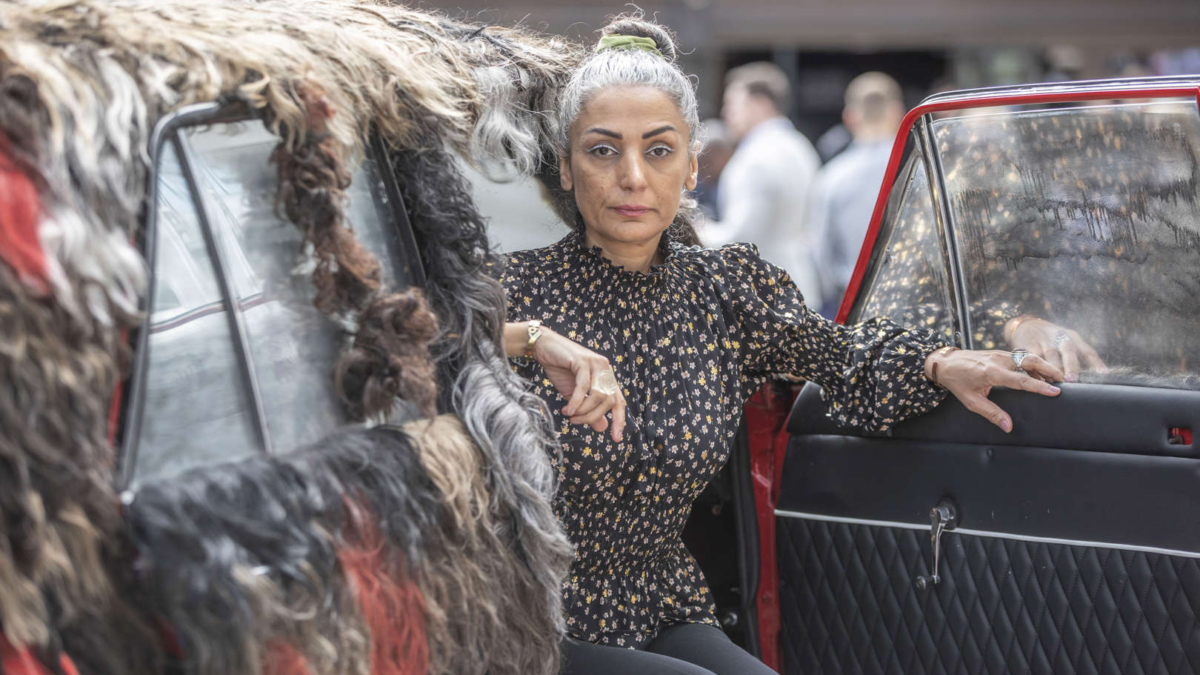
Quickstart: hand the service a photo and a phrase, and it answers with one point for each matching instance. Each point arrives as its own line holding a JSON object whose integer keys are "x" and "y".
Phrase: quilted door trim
{"x": 1004, "y": 605}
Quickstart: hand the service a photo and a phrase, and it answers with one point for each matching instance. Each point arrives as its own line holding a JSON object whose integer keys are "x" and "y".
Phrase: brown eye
{"x": 602, "y": 151}
{"x": 660, "y": 151}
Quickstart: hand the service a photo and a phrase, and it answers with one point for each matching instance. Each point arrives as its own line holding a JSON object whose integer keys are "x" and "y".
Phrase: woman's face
{"x": 629, "y": 163}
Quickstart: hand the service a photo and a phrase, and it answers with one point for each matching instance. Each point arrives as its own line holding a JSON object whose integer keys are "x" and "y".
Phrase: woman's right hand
{"x": 586, "y": 379}
{"x": 971, "y": 376}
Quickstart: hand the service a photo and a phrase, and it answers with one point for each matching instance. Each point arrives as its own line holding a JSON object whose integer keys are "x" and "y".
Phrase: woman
{"x": 620, "y": 318}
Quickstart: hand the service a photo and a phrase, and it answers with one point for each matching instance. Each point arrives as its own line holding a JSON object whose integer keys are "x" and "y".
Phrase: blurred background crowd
{"x": 804, "y": 98}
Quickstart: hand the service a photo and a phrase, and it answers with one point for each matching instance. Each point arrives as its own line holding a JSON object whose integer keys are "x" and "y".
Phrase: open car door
{"x": 1071, "y": 545}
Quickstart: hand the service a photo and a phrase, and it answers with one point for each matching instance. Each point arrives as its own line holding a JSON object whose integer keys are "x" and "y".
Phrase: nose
{"x": 633, "y": 171}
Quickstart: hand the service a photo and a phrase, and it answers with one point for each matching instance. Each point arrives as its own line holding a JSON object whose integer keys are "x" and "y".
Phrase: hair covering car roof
{"x": 430, "y": 549}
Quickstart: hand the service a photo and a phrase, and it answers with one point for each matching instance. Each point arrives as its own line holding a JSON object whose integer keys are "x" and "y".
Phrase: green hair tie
{"x": 644, "y": 44}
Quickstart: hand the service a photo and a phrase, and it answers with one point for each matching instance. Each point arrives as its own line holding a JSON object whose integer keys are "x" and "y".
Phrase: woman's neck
{"x": 637, "y": 256}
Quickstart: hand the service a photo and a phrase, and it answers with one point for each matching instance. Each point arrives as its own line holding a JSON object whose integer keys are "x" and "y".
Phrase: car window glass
{"x": 1088, "y": 217}
{"x": 194, "y": 390}
{"x": 293, "y": 346}
{"x": 910, "y": 283}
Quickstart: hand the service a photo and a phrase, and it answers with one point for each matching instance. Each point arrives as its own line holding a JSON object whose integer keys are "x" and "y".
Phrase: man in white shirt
{"x": 762, "y": 194}
{"x": 843, "y": 196}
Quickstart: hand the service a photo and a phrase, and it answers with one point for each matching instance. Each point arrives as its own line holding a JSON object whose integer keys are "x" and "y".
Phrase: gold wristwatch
{"x": 535, "y": 332}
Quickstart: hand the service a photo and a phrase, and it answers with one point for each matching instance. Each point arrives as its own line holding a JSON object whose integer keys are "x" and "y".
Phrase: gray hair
{"x": 616, "y": 67}
{"x": 625, "y": 67}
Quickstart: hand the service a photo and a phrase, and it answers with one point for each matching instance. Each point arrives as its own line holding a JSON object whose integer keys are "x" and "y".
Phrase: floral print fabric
{"x": 689, "y": 342}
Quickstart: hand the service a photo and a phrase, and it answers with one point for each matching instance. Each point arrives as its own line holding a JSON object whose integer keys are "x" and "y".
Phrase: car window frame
{"x": 960, "y": 299}
{"x": 915, "y": 150}
{"x": 131, "y": 393}
{"x": 895, "y": 199}
{"x": 393, "y": 196}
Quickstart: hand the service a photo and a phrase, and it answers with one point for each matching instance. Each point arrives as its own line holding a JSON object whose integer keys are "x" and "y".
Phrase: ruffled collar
{"x": 592, "y": 258}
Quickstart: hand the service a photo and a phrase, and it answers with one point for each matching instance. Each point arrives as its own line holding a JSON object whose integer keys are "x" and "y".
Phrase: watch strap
{"x": 535, "y": 332}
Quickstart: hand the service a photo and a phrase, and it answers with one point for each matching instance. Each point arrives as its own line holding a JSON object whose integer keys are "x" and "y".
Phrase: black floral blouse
{"x": 689, "y": 342}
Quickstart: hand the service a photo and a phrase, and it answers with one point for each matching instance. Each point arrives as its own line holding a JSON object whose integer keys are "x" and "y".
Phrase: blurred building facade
{"x": 823, "y": 44}
{"x": 926, "y": 45}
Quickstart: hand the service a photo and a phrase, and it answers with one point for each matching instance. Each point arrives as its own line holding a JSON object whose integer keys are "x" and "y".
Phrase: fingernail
{"x": 1054, "y": 389}
{"x": 617, "y": 436}
{"x": 1072, "y": 378}
{"x": 1006, "y": 425}
{"x": 568, "y": 412}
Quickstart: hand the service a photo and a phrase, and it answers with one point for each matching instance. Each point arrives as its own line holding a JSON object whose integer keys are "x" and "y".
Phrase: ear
{"x": 693, "y": 170}
{"x": 565, "y": 179}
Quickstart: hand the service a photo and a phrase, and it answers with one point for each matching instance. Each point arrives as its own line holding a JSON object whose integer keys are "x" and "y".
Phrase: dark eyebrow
{"x": 658, "y": 131}
{"x": 605, "y": 132}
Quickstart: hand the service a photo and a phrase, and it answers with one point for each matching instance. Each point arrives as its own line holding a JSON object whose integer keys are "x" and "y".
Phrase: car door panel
{"x": 1075, "y": 546}
{"x": 1003, "y": 606}
{"x": 1072, "y": 558}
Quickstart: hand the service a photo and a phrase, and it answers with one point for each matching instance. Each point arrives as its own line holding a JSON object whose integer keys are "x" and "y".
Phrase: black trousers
{"x": 682, "y": 649}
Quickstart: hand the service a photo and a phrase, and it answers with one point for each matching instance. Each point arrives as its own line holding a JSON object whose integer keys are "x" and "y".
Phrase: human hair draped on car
{"x": 614, "y": 67}
{"x": 85, "y": 86}
{"x": 763, "y": 79}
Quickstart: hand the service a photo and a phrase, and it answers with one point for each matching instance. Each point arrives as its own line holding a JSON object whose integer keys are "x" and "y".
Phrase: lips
{"x": 630, "y": 211}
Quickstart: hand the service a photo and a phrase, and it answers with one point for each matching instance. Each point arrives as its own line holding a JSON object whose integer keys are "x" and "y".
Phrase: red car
{"x": 944, "y": 545}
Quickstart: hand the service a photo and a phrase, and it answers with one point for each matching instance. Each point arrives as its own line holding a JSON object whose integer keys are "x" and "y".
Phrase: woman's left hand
{"x": 970, "y": 376}
{"x": 581, "y": 376}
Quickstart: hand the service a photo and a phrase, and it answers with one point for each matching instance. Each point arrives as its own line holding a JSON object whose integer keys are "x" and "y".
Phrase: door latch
{"x": 941, "y": 518}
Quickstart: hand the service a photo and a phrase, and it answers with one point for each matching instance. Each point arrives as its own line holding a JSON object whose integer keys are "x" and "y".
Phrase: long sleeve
{"x": 688, "y": 340}
{"x": 872, "y": 373}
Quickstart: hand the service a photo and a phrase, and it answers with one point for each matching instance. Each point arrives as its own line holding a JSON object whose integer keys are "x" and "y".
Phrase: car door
{"x": 233, "y": 359}
{"x": 1071, "y": 545}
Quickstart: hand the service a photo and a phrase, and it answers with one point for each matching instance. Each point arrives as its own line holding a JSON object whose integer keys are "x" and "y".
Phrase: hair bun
{"x": 635, "y": 25}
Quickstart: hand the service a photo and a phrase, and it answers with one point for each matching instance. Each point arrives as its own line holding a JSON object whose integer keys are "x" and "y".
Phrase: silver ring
{"x": 606, "y": 383}
{"x": 1059, "y": 338}
{"x": 1018, "y": 357}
